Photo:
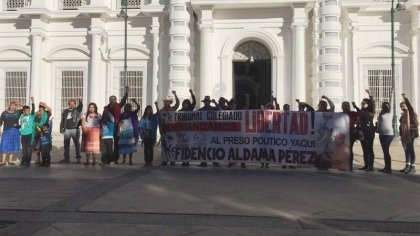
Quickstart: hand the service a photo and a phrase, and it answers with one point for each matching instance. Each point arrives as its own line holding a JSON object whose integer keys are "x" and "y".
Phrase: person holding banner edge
{"x": 207, "y": 107}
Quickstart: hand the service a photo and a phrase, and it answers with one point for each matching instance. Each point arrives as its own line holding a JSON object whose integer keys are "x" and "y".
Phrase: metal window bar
{"x": 380, "y": 84}
{"x": 134, "y": 4}
{"x": 13, "y": 5}
{"x": 389, "y": 1}
{"x": 72, "y": 85}
{"x": 135, "y": 82}
{"x": 72, "y": 4}
{"x": 16, "y": 85}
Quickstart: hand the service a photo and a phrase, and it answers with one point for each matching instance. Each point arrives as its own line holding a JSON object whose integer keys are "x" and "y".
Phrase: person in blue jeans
{"x": 46, "y": 146}
{"x": 69, "y": 126}
{"x": 386, "y": 133}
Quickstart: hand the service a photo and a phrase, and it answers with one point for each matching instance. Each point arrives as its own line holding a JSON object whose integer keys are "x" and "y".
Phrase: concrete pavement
{"x": 72, "y": 199}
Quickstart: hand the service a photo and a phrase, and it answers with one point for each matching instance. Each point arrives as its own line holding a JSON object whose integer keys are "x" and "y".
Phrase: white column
{"x": 205, "y": 61}
{"x": 179, "y": 49}
{"x": 36, "y": 65}
{"x": 94, "y": 76}
{"x": 299, "y": 85}
{"x": 355, "y": 65}
{"x": 155, "y": 77}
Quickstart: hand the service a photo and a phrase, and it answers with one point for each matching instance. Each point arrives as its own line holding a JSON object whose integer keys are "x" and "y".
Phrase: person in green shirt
{"x": 26, "y": 128}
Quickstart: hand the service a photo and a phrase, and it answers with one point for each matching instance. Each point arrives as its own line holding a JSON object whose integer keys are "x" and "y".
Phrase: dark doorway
{"x": 252, "y": 74}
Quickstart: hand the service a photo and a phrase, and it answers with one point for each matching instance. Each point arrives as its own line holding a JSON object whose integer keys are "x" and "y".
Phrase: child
{"x": 40, "y": 119}
{"x": 128, "y": 131}
{"x": 46, "y": 146}
{"x": 26, "y": 124}
{"x": 107, "y": 142}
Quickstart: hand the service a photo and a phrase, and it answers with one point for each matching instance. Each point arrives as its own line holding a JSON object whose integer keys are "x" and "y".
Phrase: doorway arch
{"x": 251, "y": 63}
{"x": 271, "y": 42}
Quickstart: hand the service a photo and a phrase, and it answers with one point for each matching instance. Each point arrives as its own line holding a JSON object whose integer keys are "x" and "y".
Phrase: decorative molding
{"x": 23, "y": 50}
{"x": 134, "y": 47}
{"x": 249, "y": 49}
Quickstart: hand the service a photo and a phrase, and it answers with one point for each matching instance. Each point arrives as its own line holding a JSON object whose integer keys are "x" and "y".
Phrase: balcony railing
{"x": 390, "y": 1}
{"x": 131, "y": 4}
{"x": 13, "y": 5}
{"x": 72, "y": 4}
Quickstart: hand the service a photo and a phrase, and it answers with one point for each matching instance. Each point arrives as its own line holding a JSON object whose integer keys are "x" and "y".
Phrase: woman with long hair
{"x": 386, "y": 133}
{"x": 10, "y": 140}
{"x": 91, "y": 136}
{"x": 409, "y": 124}
{"x": 148, "y": 133}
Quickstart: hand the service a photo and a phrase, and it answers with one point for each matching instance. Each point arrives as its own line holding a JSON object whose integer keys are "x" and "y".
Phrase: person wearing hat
{"x": 188, "y": 106}
{"x": 167, "y": 107}
{"x": 207, "y": 107}
{"x": 168, "y": 101}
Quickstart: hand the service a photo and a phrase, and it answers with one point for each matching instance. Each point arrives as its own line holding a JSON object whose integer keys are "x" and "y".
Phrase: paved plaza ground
{"x": 73, "y": 199}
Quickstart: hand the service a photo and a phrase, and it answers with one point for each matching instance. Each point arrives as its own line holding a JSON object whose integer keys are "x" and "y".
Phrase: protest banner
{"x": 286, "y": 138}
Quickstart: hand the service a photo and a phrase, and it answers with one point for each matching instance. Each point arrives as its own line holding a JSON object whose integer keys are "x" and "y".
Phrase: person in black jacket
{"x": 366, "y": 114}
{"x": 69, "y": 126}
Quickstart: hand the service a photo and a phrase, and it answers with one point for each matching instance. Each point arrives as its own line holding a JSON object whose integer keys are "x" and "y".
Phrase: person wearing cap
{"x": 188, "y": 106}
{"x": 114, "y": 109}
{"x": 207, "y": 107}
{"x": 167, "y": 107}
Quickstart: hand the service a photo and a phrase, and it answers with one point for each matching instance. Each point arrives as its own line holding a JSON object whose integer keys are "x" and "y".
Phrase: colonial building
{"x": 55, "y": 50}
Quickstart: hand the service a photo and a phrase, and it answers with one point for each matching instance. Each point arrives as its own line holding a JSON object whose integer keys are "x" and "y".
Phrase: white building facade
{"x": 56, "y": 50}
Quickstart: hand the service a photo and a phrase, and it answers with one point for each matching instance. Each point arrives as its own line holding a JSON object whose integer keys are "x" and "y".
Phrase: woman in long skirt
{"x": 10, "y": 140}
{"x": 91, "y": 137}
{"x": 128, "y": 132}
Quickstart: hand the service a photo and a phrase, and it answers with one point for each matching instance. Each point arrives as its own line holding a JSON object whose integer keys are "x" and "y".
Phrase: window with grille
{"x": 72, "y": 4}
{"x": 13, "y": 5}
{"x": 16, "y": 86}
{"x": 135, "y": 82}
{"x": 132, "y": 4}
{"x": 380, "y": 84}
{"x": 71, "y": 85}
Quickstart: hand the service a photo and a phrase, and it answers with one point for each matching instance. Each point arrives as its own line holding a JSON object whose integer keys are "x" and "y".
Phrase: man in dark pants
{"x": 115, "y": 109}
{"x": 207, "y": 101}
{"x": 69, "y": 126}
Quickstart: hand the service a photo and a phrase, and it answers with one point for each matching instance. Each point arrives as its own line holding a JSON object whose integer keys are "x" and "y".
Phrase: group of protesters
{"x": 117, "y": 131}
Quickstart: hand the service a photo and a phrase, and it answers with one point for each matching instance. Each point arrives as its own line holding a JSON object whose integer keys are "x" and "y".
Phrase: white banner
{"x": 285, "y": 138}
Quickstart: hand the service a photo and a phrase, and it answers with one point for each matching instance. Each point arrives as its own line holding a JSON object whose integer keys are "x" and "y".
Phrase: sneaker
{"x": 62, "y": 161}
{"x": 363, "y": 168}
{"x": 411, "y": 169}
